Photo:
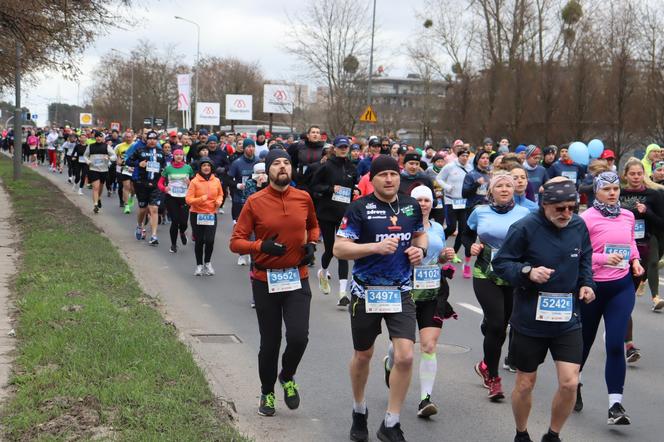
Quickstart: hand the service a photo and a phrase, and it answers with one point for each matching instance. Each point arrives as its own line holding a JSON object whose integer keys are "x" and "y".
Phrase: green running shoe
{"x": 266, "y": 406}
{"x": 456, "y": 260}
{"x": 291, "y": 396}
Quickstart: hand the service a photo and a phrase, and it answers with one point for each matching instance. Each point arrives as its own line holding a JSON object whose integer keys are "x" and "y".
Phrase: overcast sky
{"x": 247, "y": 29}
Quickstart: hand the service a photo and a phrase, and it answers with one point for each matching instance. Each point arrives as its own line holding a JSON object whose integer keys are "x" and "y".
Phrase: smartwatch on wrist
{"x": 525, "y": 271}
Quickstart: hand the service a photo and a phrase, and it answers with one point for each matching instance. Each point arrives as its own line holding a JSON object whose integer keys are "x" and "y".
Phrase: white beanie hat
{"x": 259, "y": 168}
{"x": 422, "y": 191}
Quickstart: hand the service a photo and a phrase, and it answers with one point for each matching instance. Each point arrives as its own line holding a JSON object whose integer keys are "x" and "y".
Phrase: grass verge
{"x": 93, "y": 360}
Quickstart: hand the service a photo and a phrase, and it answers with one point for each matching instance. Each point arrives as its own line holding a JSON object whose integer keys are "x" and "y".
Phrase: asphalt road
{"x": 220, "y": 305}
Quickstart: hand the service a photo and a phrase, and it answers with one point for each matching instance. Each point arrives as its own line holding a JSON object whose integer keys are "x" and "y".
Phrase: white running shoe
{"x": 80, "y": 191}
{"x": 208, "y": 269}
{"x": 241, "y": 261}
{"x": 199, "y": 271}
{"x": 323, "y": 282}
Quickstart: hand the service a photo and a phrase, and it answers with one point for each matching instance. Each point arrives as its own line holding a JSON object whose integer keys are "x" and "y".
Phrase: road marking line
{"x": 472, "y": 308}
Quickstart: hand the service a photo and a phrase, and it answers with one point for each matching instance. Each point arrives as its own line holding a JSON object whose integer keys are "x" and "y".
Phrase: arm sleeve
{"x": 469, "y": 186}
{"x": 220, "y": 195}
{"x": 313, "y": 232}
{"x": 585, "y": 260}
{"x": 240, "y": 242}
{"x": 86, "y": 154}
{"x": 442, "y": 177}
{"x": 509, "y": 260}
{"x": 319, "y": 183}
{"x": 111, "y": 153}
{"x": 469, "y": 235}
{"x": 161, "y": 184}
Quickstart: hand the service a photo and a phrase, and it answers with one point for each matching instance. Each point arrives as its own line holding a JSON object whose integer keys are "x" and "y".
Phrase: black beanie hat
{"x": 273, "y": 155}
{"x": 381, "y": 164}
{"x": 412, "y": 156}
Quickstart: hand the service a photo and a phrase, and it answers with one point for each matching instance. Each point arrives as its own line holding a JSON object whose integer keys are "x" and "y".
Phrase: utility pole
{"x": 373, "y": 29}
{"x": 18, "y": 142}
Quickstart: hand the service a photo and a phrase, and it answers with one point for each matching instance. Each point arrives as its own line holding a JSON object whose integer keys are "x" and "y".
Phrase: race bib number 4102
{"x": 426, "y": 277}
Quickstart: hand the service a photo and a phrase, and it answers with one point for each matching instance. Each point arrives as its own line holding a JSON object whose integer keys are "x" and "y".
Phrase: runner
{"x": 548, "y": 290}
{"x": 79, "y": 159}
{"x": 69, "y": 147}
{"x": 241, "y": 169}
{"x": 33, "y": 144}
{"x": 51, "y": 140}
{"x": 333, "y": 185}
{"x": 567, "y": 168}
{"x": 124, "y": 174}
{"x": 148, "y": 161}
{"x": 520, "y": 176}
{"x": 614, "y": 255}
{"x": 174, "y": 183}
{"x": 490, "y": 223}
{"x": 451, "y": 179}
{"x": 283, "y": 248}
{"x": 204, "y": 196}
{"x": 98, "y": 156}
{"x": 537, "y": 174}
{"x": 476, "y": 182}
{"x": 430, "y": 303}
{"x": 383, "y": 233}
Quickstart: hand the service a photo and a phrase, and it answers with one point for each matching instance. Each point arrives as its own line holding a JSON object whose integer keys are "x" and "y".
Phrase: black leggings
{"x": 70, "y": 166}
{"x": 452, "y": 218}
{"x": 179, "y": 212}
{"x": 496, "y": 302}
{"x": 81, "y": 172}
{"x": 236, "y": 208}
{"x": 204, "y": 239}
{"x": 110, "y": 180}
{"x": 329, "y": 231}
{"x": 271, "y": 309}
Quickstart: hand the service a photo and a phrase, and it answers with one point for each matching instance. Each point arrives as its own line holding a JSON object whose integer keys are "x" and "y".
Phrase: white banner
{"x": 208, "y": 114}
{"x": 184, "y": 91}
{"x": 85, "y": 119}
{"x": 238, "y": 107}
{"x": 278, "y": 99}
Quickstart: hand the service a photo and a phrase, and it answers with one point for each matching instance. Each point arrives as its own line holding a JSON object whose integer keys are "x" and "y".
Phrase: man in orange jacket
{"x": 284, "y": 222}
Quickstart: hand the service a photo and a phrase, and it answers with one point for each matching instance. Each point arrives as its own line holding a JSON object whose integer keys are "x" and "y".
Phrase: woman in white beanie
{"x": 430, "y": 292}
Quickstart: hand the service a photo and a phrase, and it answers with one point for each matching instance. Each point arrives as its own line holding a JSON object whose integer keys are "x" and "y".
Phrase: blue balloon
{"x": 578, "y": 152}
{"x": 595, "y": 148}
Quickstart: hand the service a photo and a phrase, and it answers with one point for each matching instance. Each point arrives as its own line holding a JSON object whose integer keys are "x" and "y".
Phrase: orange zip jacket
{"x": 198, "y": 187}
{"x": 290, "y": 215}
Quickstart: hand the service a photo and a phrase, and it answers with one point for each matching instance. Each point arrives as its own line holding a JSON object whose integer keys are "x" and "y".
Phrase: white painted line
{"x": 472, "y": 308}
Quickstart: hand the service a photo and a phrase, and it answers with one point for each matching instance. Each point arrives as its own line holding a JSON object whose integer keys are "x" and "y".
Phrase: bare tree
{"x": 331, "y": 40}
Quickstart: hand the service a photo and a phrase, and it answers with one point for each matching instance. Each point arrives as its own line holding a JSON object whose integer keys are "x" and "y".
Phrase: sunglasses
{"x": 385, "y": 145}
{"x": 563, "y": 209}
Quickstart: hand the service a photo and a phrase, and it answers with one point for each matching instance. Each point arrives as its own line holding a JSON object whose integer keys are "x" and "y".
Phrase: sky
{"x": 246, "y": 29}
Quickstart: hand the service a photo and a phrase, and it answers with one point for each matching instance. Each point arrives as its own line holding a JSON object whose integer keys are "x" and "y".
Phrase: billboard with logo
{"x": 184, "y": 91}
{"x": 208, "y": 114}
{"x": 278, "y": 99}
{"x": 238, "y": 107}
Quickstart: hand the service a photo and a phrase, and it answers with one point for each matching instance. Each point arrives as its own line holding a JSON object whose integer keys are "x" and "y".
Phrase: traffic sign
{"x": 34, "y": 117}
{"x": 85, "y": 119}
{"x": 369, "y": 116}
{"x": 147, "y": 122}
{"x": 159, "y": 122}
{"x": 115, "y": 125}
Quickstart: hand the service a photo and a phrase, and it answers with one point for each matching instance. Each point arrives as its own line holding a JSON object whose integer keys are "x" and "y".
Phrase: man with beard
{"x": 304, "y": 154}
{"x": 283, "y": 248}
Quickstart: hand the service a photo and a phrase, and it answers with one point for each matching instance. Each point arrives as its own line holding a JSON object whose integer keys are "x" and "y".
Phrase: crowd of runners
{"x": 552, "y": 247}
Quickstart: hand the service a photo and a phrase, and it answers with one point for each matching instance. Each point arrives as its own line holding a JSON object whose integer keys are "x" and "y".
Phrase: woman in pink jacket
{"x": 615, "y": 259}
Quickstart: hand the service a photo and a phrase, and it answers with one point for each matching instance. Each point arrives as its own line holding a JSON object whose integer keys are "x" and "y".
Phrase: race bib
{"x": 554, "y": 307}
{"x": 153, "y": 166}
{"x": 439, "y": 203}
{"x": 383, "y": 300}
{"x": 458, "y": 203}
{"x": 177, "y": 189}
{"x": 285, "y": 280}
{"x": 343, "y": 195}
{"x": 98, "y": 162}
{"x": 129, "y": 171}
{"x": 483, "y": 189}
{"x": 205, "y": 219}
{"x": 639, "y": 229}
{"x": 426, "y": 277}
{"x": 81, "y": 159}
{"x": 621, "y": 249}
{"x": 570, "y": 175}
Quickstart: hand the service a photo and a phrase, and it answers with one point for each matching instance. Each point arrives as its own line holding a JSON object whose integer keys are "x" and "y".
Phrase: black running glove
{"x": 309, "y": 250}
{"x": 270, "y": 247}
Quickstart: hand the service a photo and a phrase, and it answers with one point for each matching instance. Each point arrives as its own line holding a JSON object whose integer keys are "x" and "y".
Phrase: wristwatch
{"x": 525, "y": 270}
{"x": 424, "y": 251}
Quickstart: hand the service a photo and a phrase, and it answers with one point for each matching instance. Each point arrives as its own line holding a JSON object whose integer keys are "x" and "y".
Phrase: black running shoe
{"x": 173, "y": 249}
{"x": 387, "y": 371}
{"x": 578, "y": 406}
{"x": 266, "y": 406}
{"x": 548, "y": 437}
{"x": 99, "y": 203}
{"x": 95, "y": 209}
{"x": 183, "y": 238}
{"x": 359, "y": 431}
{"x": 426, "y": 408}
{"x": 522, "y": 437}
{"x": 291, "y": 396}
{"x": 618, "y": 416}
{"x": 391, "y": 434}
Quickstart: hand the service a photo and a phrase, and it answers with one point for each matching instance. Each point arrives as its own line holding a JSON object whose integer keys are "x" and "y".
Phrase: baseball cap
{"x": 341, "y": 141}
{"x": 152, "y": 135}
{"x": 172, "y": 134}
{"x": 374, "y": 142}
{"x": 608, "y": 153}
{"x": 354, "y": 146}
{"x": 203, "y": 131}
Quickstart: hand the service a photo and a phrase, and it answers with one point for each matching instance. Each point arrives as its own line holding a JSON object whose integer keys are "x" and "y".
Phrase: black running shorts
{"x": 93, "y": 176}
{"x": 366, "y": 327}
{"x": 147, "y": 195}
{"x": 425, "y": 311}
{"x": 528, "y": 352}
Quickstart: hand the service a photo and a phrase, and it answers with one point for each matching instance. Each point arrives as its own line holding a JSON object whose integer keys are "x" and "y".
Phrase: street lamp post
{"x": 373, "y": 29}
{"x": 18, "y": 155}
{"x": 198, "y": 54}
{"x": 131, "y": 88}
